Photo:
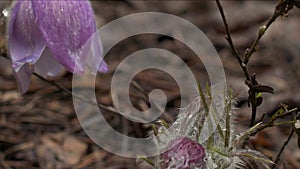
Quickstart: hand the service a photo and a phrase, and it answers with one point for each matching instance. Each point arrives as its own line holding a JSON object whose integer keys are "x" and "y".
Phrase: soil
{"x": 40, "y": 129}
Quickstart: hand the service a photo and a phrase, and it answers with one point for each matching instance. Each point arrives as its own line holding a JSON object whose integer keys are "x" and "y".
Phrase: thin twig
{"x": 261, "y": 126}
{"x": 281, "y": 9}
{"x": 107, "y": 108}
{"x": 249, "y": 81}
{"x": 262, "y": 117}
{"x": 260, "y": 34}
{"x": 282, "y": 148}
{"x": 253, "y": 115}
{"x": 3, "y": 53}
{"x": 67, "y": 91}
{"x": 231, "y": 44}
{"x": 145, "y": 97}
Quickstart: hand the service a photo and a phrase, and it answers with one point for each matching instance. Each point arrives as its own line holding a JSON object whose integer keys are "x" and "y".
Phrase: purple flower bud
{"x": 183, "y": 153}
{"x": 45, "y": 36}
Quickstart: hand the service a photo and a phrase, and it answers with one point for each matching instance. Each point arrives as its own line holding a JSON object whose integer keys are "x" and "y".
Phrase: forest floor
{"x": 40, "y": 129}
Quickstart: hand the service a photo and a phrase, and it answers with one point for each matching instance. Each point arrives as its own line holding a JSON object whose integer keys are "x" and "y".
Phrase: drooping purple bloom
{"x": 183, "y": 153}
{"x": 47, "y": 36}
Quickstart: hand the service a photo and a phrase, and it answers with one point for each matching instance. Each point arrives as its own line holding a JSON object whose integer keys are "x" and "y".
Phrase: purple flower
{"x": 183, "y": 153}
{"x": 47, "y": 36}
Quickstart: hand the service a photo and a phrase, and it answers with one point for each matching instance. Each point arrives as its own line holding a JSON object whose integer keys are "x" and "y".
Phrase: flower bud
{"x": 183, "y": 153}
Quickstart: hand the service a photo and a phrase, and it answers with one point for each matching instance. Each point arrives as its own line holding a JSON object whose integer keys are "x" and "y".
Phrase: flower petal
{"x": 23, "y": 77}
{"x": 183, "y": 153}
{"x": 47, "y": 65}
{"x": 94, "y": 52}
{"x": 25, "y": 41}
{"x": 66, "y": 26}
{"x": 98, "y": 53}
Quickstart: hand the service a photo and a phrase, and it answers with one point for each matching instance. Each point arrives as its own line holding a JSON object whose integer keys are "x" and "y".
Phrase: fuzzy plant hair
{"x": 203, "y": 123}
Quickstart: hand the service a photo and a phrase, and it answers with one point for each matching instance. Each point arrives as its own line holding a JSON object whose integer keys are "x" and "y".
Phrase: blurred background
{"x": 40, "y": 129}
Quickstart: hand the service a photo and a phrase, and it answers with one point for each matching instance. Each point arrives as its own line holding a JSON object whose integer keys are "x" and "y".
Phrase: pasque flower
{"x": 191, "y": 142}
{"x": 47, "y": 36}
{"x": 183, "y": 153}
